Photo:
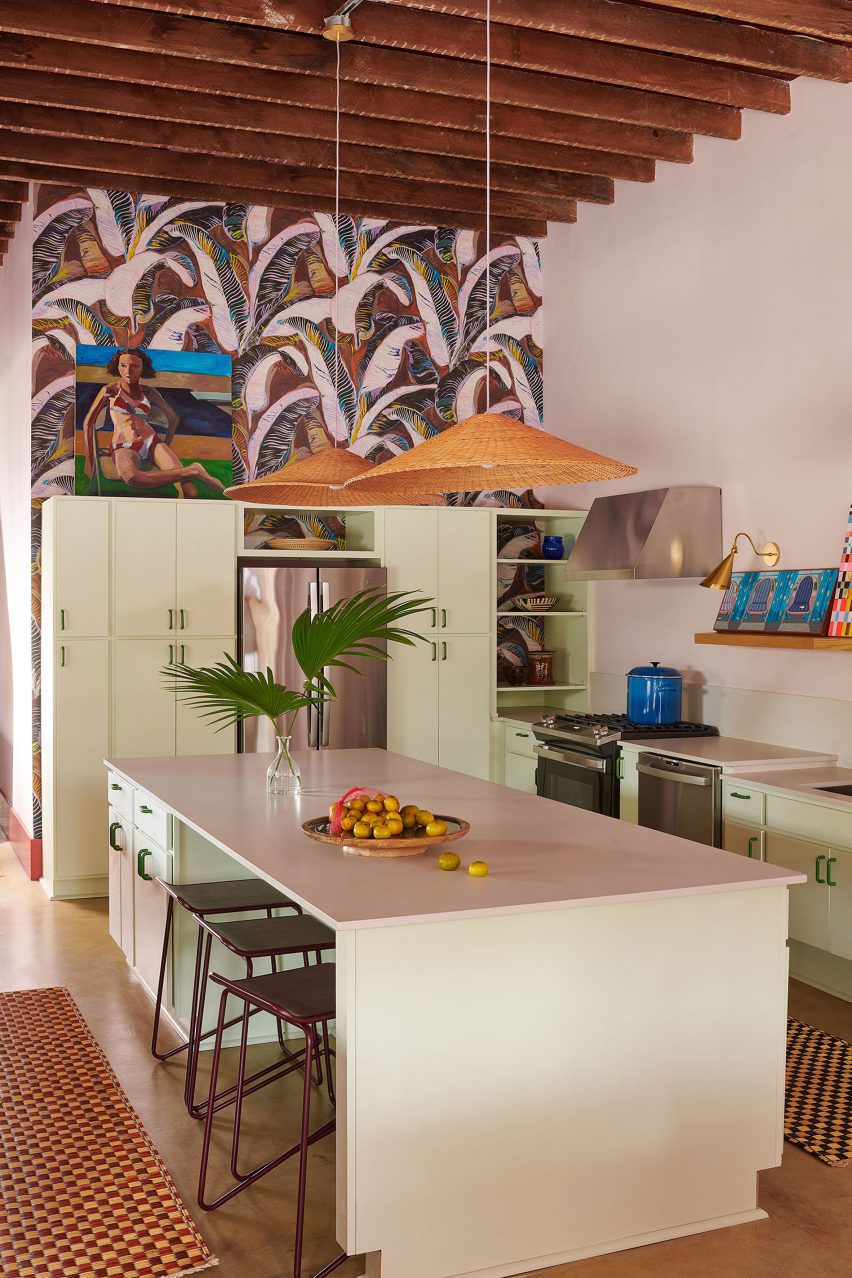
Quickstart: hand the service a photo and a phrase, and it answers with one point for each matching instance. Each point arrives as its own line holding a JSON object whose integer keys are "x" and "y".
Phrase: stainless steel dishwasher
{"x": 681, "y": 798}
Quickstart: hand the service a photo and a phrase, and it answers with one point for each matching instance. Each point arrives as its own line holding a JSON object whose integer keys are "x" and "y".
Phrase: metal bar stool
{"x": 252, "y": 939}
{"x": 303, "y": 997}
{"x": 201, "y": 900}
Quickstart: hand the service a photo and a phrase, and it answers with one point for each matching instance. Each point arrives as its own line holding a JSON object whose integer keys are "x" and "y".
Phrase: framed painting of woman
{"x": 152, "y": 423}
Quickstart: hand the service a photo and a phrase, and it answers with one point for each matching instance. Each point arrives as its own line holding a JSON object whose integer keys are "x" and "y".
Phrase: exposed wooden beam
{"x": 411, "y": 27}
{"x": 256, "y": 132}
{"x": 826, "y": 19}
{"x": 278, "y": 54}
{"x": 371, "y": 101}
{"x": 183, "y": 141}
{"x": 14, "y": 189}
{"x": 70, "y": 179}
{"x": 284, "y": 184}
{"x": 10, "y": 210}
{"x": 733, "y": 42}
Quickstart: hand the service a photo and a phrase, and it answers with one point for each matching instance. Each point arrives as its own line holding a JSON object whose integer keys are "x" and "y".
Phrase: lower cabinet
{"x": 628, "y": 785}
{"x": 149, "y": 910}
{"x": 745, "y": 840}
{"x": 809, "y": 902}
{"x": 122, "y": 872}
{"x": 520, "y": 773}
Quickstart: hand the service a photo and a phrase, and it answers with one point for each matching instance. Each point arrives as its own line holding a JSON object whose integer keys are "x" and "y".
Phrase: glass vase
{"x": 283, "y": 776}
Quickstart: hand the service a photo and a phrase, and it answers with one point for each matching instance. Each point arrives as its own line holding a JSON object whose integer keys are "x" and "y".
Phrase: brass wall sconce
{"x": 720, "y": 577}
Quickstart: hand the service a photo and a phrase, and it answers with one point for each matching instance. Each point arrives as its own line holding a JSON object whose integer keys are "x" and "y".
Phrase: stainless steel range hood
{"x": 661, "y": 533}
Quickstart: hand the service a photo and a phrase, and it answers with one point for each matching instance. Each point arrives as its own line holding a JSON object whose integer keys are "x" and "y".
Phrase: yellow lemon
{"x": 381, "y": 831}
{"x": 395, "y": 824}
{"x": 424, "y": 817}
{"x": 361, "y": 830}
{"x": 349, "y": 822}
{"x": 478, "y": 869}
{"x": 410, "y": 809}
{"x": 374, "y": 805}
{"x": 436, "y": 827}
{"x": 391, "y": 803}
{"x": 409, "y": 820}
{"x": 357, "y": 805}
{"x": 449, "y": 861}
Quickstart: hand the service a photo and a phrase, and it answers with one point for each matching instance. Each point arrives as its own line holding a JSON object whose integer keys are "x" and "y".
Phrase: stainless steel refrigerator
{"x": 272, "y": 599}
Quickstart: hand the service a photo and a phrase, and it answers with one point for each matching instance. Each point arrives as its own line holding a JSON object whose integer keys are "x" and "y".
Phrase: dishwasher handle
{"x": 683, "y": 778}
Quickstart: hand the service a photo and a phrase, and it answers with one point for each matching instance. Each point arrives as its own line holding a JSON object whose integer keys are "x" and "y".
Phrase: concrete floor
{"x": 808, "y": 1233}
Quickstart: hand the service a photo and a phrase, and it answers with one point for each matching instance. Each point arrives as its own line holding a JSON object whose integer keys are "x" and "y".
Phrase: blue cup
{"x": 553, "y": 548}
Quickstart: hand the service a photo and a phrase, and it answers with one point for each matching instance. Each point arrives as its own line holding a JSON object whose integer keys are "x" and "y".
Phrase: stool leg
{"x": 208, "y": 1124}
{"x": 158, "y": 1002}
{"x": 238, "y": 1096}
{"x": 196, "y": 1022}
{"x": 303, "y": 1151}
{"x": 326, "y": 1047}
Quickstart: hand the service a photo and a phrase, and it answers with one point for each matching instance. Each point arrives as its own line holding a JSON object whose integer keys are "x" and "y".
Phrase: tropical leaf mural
{"x": 351, "y": 331}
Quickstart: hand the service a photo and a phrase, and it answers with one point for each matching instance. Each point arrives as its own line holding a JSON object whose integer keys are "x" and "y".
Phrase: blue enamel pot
{"x": 654, "y": 694}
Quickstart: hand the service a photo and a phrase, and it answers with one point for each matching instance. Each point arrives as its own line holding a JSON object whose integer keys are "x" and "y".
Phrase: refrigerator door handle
{"x": 313, "y": 601}
{"x": 325, "y": 709}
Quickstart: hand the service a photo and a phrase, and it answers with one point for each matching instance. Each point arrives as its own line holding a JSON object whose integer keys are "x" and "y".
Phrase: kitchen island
{"x": 580, "y": 1053}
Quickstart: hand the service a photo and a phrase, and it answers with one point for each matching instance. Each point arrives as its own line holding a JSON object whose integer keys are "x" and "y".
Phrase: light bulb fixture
{"x": 720, "y": 577}
{"x": 338, "y": 26}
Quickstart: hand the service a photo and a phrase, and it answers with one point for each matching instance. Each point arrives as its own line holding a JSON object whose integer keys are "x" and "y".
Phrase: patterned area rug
{"x": 818, "y": 1108}
{"x": 83, "y": 1192}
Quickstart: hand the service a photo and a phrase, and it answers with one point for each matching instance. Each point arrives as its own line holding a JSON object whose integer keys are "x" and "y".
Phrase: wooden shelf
{"x": 541, "y": 687}
{"x": 549, "y": 612}
{"x": 324, "y": 556}
{"x": 751, "y": 639}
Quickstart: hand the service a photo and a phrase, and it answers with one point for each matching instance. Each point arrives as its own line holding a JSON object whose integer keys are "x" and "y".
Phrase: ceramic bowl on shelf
{"x": 301, "y": 543}
{"x": 411, "y": 845}
{"x": 535, "y": 603}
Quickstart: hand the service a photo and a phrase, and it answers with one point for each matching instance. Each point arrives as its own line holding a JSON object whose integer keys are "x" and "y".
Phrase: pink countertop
{"x": 543, "y": 855}
{"x": 733, "y": 752}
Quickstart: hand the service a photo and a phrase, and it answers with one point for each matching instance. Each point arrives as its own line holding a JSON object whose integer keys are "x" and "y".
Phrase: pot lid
{"x": 654, "y": 671}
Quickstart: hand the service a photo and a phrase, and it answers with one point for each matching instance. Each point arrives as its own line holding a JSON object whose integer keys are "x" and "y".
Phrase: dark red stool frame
{"x": 267, "y": 994}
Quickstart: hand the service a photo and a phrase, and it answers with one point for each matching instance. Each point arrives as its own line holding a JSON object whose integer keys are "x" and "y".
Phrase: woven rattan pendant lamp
{"x": 487, "y": 451}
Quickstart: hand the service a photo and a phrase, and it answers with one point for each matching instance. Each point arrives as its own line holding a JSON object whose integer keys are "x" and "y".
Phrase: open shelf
{"x": 328, "y": 556}
{"x": 754, "y": 639}
{"x": 533, "y": 563}
{"x": 541, "y": 687}
{"x": 548, "y": 612}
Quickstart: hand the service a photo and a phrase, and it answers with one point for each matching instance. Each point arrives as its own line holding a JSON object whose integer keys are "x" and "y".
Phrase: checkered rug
{"x": 83, "y": 1192}
{"x": 818, "y": 1108}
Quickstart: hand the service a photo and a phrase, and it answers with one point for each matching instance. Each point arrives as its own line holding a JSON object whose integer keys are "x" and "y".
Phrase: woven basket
{"x": 535, "y": 603}
{"x": 486, "y": 452}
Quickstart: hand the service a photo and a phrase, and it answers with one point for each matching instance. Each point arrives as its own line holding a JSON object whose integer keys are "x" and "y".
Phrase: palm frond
{"x": 225, "y": 694}
{"x": 354, "y": 627}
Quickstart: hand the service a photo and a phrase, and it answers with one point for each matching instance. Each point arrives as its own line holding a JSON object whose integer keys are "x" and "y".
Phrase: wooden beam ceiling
{"x": 235, "y": 98}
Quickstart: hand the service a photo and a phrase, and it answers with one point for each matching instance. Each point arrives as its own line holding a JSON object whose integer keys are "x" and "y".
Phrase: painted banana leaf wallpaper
{"x": 112, "y": 268}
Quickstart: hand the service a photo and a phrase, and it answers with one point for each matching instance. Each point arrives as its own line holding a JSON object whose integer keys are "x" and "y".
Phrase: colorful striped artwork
{"x": 840, "y": 622}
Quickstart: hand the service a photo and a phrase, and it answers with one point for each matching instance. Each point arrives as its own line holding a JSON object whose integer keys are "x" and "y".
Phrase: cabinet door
{"x": 809, "y": 902}
{"x": 413, "y": 700}
{"x": 206, "y": 568}
{"x": 745, "y": 840}
{"x": 411, "y": 553}
{"x": 628, "y": 789}
{"x": 465, "y": 554}
{"x": 80, "y": 742}
{"x": 143, "y": 707}
{"x": 121, "y": 882}
{"x": 143, "y": 569}
{"x": 149, "y": 921}
{"x": 81, "y": 567}
{"x": 520, "y": 773}
{"x": 839, "y": 873}
{"x": 194, "y": 734}
{"x": 464, "y": 704}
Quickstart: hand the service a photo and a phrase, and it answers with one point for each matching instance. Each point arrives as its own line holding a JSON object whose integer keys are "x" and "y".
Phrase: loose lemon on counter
{"x": 391, "y": 803}
{"x": 361, "y": 830}
{"x": 381, "y": 831}
{"x": 436, "y": 828}
{"x": 424, "y": 817}
{"x": 449, "y": 861}
{"x": 478, "y": 869}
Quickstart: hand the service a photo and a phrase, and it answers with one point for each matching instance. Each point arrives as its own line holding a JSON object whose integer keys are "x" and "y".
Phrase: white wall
{"x": 15, "y": 657}
{"x": 702, "y": 329}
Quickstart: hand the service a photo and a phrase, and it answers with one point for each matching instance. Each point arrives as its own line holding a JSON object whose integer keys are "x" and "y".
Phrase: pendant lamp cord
{"x": 337, "y": 253}
{"x": 487, "y": 205}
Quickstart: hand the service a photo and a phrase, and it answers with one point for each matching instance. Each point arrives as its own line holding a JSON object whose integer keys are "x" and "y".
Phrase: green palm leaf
{"x": 226, "y": 694}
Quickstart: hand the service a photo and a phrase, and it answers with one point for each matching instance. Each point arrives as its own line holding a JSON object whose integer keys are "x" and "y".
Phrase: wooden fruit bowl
{"x": 318, "y": 829}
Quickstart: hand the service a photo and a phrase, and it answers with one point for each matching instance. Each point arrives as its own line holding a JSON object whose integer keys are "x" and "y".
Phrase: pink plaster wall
{"x": 702, "y": 330}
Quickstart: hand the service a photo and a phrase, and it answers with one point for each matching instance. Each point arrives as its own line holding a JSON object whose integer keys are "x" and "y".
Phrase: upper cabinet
{"x": 75, "y": 555}
{"x": 443, "y": 553}
{"x": 173, "y": 568}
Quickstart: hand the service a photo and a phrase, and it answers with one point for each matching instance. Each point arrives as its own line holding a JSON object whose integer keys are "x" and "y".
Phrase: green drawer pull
{"x": 829, "y": 880}
{"x": 522, "y": 734}
{"x": 114, "y": 785}
{"x": 144, "y": 808}
{"x": 116, "y": 847}
{"x": 735, "y": 795}
{"x": 140, "y": 863}
{"x": 619, "y": 769}
{"x": 751, "y": 844}
{"x": 816, "y": 869}
{"x": 434, "y": 648}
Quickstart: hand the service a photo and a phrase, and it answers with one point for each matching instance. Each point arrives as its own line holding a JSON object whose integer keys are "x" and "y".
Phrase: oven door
{"x": 583, "y": 780}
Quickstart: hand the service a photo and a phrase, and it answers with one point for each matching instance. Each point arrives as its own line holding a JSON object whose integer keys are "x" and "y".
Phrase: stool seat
{"x": 223, "y": 898}
{"x": 261, "y": 938}
{"x": 303, "y": 995}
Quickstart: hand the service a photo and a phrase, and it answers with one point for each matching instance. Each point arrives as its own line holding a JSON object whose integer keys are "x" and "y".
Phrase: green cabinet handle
{"x": 829, "y": 880}
{"x": 182, "y": 616}
{"x": 735, "y": 795}
{"x": 816, "y": 869}
{"x": 141, "y": 856}
{"x": 171, "y": 624}
{"x": 143, "y": 807}
{"x": 434, "y": 648}
{"x": 751, "y": 844}
{"x": 443, "y": 652}
{"x": 113, "y": 785}
{"x": 116, "y": 847}
{"x": 434, "y": 612}
{"x": 619, "y": 769}
{"x": 443, "y": 618}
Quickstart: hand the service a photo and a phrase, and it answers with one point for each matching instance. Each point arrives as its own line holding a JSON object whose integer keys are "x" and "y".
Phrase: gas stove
{"x": 598, "y": 730}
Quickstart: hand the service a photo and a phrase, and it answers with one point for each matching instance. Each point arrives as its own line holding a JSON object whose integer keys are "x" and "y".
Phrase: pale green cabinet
{"x": 745, "y": 840}
{"x": 520, "y": 773}
{"x": 809, "y": 902}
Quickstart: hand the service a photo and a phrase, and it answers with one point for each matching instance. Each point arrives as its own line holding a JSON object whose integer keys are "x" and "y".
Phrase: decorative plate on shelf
{"x": 301, "y": 543}
{"x": 535, "y": 603}
{"x": 410, "y": 846}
